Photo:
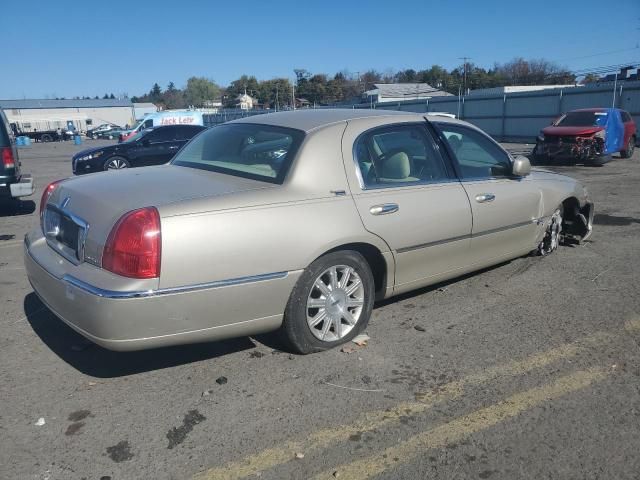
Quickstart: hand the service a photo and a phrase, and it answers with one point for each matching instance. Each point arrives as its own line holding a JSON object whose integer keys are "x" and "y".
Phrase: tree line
{"x": 348, "y": 87}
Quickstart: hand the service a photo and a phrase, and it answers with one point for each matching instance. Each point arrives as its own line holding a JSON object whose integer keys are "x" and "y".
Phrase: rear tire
{"x": 116, "y": 163}
{"x": 330, "y": 304}
{"x": 631, "y": 145}
{"x": 46, "y": 138}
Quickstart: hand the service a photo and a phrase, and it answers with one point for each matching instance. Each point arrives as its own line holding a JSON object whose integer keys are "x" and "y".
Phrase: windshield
{"x": 255, "y": 151}
{"x": 583, "y": 119}
{"x": 137, "y": 136}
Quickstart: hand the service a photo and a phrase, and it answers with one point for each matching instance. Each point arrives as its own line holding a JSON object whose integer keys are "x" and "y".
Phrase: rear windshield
{"x": 583, "y": 119}
{"x": 5, "y": 130}
{"x": 259, "y": 152}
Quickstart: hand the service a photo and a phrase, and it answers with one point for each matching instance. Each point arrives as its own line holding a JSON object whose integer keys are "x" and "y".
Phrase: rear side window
{"x": 162, "y": 135}
{"x": 187, "y": 133}
{"x": 259, "y": 152}
{"x": 396, "y": 155}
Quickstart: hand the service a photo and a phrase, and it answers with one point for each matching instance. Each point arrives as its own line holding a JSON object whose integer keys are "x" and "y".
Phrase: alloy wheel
{"x": 116, "y": 164}
{"x": 335, "y": 303}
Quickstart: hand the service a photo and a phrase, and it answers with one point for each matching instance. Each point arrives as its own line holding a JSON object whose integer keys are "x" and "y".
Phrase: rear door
{"x": 505, "y": 208}
{"x": 406, "y": 194}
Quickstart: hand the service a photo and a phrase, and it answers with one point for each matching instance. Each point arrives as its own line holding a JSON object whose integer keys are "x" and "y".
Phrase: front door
{"x": 505, "y": 208}
{"x": 406, "y": 194}
{"x": 158, "y": 147}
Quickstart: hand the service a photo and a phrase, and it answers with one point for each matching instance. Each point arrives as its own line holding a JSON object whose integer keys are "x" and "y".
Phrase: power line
{"x": 597, "y": 54}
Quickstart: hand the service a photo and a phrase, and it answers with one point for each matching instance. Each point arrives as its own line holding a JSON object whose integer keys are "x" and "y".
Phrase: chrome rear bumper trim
{"x": 104, "y": 293}
{"x": 100, "y": 292}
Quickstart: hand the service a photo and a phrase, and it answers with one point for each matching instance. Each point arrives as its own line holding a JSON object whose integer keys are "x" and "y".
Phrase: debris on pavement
{"x": 299, "y": 455}
{"x": 420, "y": 328}
{"x": 348, "y": 349}
{"x": 221, "y": 380}
{"x": 361, "y": 340}
{"x": 206, "y": 393}
{"x": 40, "y": 422}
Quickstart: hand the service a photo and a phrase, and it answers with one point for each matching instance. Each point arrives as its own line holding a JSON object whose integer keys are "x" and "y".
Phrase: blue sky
{"x": 89, "y": 48}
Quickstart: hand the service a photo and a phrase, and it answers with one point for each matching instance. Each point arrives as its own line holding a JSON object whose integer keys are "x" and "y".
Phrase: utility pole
{"x": 464, "y": 59}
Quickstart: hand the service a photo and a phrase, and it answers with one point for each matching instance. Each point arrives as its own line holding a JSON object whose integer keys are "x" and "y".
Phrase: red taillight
{"x": 134, "y": 245}
{"x": 46, "y": 194}
{"x": 7, "y": 157}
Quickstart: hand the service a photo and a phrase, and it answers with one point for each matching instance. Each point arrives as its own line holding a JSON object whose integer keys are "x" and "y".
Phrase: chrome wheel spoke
{"x": 317, "y": 303}
{"x": 333, "y": 274}
{"x": 325, "y": 328}
{"x": 349, "y": 318}
{"x": 353, "y": 287}
{"x": 321, "y": 315}
{"x": 355, "y": 302}
{"x": 338, "y": 327}
{"x": 346, "y": 275}
{"x": 320, "y": 285}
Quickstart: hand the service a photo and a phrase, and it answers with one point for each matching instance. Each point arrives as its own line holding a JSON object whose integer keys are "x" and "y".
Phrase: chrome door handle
{"x": 173, "y": 147}
{"x": 485, "y": 197}
{"x": 384, "y": 209}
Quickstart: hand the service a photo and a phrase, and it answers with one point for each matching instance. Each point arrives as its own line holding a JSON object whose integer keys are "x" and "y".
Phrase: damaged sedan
{"x": 587, "y": 136}
{"x": 294, "y": 221}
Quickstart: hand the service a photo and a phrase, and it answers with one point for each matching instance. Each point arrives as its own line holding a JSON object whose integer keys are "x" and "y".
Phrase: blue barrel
{"x": 27, "y": 141}
{"x": 77, "y": 140}
{"x": 19, "y": 141}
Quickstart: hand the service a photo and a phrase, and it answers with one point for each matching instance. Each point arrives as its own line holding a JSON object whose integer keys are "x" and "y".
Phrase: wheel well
{"x": 572, "y": 223}
{"x": 376, "y": 262}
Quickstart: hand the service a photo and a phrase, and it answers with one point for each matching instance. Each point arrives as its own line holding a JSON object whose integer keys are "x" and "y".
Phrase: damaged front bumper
{"x": 574, "y": 148}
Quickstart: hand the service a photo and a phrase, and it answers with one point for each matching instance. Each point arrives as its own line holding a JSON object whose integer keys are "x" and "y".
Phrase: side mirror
{"x": 521, "y": 167}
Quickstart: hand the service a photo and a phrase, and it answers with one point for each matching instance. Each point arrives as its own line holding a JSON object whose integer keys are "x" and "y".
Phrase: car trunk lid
{"x": 100, "y": 199}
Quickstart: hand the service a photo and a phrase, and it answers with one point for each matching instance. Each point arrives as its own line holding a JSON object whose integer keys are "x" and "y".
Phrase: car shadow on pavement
{"x": 17, "y": 208}
{"x": 96, "y": 361}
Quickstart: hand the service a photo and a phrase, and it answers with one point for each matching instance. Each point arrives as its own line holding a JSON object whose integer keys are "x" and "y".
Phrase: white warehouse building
{"x": 30, "y": 115}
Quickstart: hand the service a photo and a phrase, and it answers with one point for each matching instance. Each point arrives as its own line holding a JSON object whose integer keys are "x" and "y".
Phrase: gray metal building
{"x": 45, "y": 114}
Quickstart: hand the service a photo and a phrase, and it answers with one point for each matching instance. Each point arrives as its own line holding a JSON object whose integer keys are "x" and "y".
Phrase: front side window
{"x": 259, "y": 152}
{"x": 395, "y": 155}
{"x": 477, "y": 155}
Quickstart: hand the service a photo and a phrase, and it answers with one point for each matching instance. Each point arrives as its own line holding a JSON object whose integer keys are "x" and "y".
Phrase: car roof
{"x": 597, "y": 109}
{"x": 312, "y": 119}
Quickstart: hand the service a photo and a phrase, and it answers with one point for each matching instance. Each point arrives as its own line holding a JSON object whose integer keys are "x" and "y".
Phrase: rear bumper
{"x": 136, "y": 319}
{"x": 22, "y": 188}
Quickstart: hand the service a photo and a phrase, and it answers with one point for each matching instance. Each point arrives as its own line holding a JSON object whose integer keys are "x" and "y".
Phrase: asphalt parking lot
{"x": 530, "y": 369}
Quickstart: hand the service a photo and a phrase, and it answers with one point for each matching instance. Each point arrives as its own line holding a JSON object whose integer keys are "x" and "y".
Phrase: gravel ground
{"x": 530, "y": 369}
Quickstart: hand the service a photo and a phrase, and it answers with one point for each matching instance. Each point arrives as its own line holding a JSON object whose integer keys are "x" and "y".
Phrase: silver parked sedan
{"x": 295, "y": 221}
